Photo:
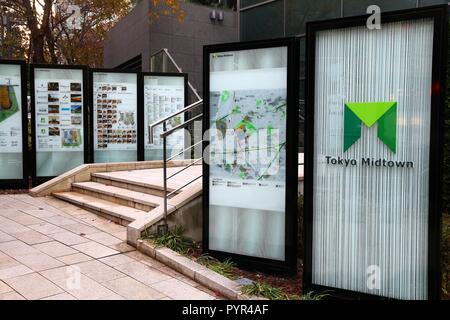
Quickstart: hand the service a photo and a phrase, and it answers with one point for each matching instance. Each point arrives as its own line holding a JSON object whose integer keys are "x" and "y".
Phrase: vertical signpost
{"x": 59, "y": 119}
{"x": 250, "y": 153}
{"x": 163, "y": 94}
{"x": 373, "y": 155}
{"x": 114, "y": 100}
{"x": 13, "y": 125}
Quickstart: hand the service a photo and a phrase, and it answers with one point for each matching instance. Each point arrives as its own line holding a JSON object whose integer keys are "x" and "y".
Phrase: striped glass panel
{"x": 370, "y": 223}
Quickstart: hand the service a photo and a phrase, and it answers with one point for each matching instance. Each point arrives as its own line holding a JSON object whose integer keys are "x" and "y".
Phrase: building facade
{"x": 133, "y": 40}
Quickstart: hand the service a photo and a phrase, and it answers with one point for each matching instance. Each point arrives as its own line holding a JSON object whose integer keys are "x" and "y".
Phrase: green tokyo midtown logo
{"x": 369, "y": 113}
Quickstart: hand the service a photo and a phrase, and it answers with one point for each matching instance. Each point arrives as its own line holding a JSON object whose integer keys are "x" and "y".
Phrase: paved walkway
{"x": 50, "y": 249}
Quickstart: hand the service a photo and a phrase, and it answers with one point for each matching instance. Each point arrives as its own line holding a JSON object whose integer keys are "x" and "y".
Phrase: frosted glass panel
{"x": 248, "y": 104}
{"x": 10, "y": 122}
{"x": 59, "y": 115}
{"x": 371, "y": 159}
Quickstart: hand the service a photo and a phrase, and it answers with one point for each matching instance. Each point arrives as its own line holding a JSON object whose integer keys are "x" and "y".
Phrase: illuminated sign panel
{"x": 250, "y": 170}
{"x": 371, "y": 219}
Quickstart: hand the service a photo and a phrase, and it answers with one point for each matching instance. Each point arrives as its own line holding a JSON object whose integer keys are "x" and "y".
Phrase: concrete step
{"x": 121, "y": 181}
{"x": 113, "y": 211}
{"x": 125, "y": 197}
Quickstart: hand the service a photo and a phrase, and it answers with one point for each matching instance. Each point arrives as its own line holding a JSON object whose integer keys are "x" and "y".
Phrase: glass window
{"x": 298, "y": 12}
{"x": 263, "y": 22}
{"x": 246, "y": 3}
{"x": 424, "y": 3}
{"x": 359, "y": 7}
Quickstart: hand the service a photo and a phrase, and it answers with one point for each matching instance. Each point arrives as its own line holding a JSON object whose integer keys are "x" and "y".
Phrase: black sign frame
{"x": 289, "y": 265}
{"x": 24, "y": 182}
{"x": 139, "y": 109}
{"x": 37, "y": 180}
{"x": 439, "y": 14}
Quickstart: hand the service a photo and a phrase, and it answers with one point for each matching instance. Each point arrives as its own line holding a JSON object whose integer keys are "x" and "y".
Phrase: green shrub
{"x": 174, "y": 239}
{"x": 264, "y": 290}
{"x": 224, "y": 268}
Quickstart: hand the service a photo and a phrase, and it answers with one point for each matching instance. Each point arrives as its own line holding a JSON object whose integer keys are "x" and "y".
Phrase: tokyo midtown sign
{"x": 385, "y": 113}
{"x": 373, "y": 162}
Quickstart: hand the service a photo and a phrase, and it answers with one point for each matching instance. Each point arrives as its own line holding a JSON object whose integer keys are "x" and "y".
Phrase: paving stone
{"x": 4, "y": 288}
{"x": 61, "y": 296}
{"x": 39, "y": 261}
{"x": 11, "y": 296}
{"x": 16, "y": 248}
{"x": 59, "y": 220}
{"x": 55, "y": 249}
{"x": 123, "y": 247}
{"x": 131, "y": 289}
{"x": 138, "y": 256}
{"x": 179, "y": 290}
{"x": 15, "y": 271}
{"x": 9, "y": 212}
{"x": 10, "y": 227}
{"x": 69, "y": 238}
{"x": 104, "y": 238}
{"x": 6, "y": 261}
{"x": 32, "y": 237}
{"x": 95, "y": 250}
{"x": 38, "y": 213}
{"x": 46, "y": 228}
{"x": 74, "y": 258}
{"x": 117, "y": 260}
{"x": 4, "y": 237}
{"x": 33, "y": 286}
{"x": 80, "y": 228}
{"x": 80, "y": 286}
{"x": 142, "y": 272}
{"x": 113, "y": 297}
{"x": 25, "y": 219}
{"x": 99, "y": 271}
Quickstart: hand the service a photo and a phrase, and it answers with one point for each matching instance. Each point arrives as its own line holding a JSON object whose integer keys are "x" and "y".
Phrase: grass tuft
{"x": 174, "y": 239}
{"x": 225, "y": 268}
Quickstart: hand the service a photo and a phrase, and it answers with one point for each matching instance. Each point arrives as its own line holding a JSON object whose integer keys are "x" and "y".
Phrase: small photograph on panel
{"x": 53, "y": 131}
{"x": 53, "y": 86}
{"x": 75, "y": 86}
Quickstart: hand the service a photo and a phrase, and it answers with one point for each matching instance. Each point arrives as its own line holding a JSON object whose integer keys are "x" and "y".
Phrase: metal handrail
{"x": 184, "y": 186}
{"x": 167, "y": 118}
{"x": 164, "y": 135}
{"x": 167, "y": 53}
{"x": 181, "y": 152}
{"x": 188, "y": 166}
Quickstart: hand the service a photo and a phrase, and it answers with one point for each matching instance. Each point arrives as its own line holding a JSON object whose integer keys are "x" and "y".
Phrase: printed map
{"x": 245, "y": 112}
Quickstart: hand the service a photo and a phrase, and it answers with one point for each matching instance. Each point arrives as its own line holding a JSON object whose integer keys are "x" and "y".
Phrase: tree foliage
{"x": 59, "y": 31}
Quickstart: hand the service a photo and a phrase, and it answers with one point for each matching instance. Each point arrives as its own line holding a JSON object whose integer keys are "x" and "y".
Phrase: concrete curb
{"x": 195, "y": 271}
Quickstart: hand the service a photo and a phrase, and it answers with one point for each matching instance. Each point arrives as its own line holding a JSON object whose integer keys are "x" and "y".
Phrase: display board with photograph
{"x": 114, "y": 99}
{"x": 164, "y": 94}
{"x": 12, "y": 124}
{"x": 373, "y": 155}
{"x": 250, "y": 176}
{"x": 58, "y": 108}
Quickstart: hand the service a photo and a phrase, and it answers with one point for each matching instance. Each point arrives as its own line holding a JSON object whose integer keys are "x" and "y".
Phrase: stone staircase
{"x": 124, "y": 193}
